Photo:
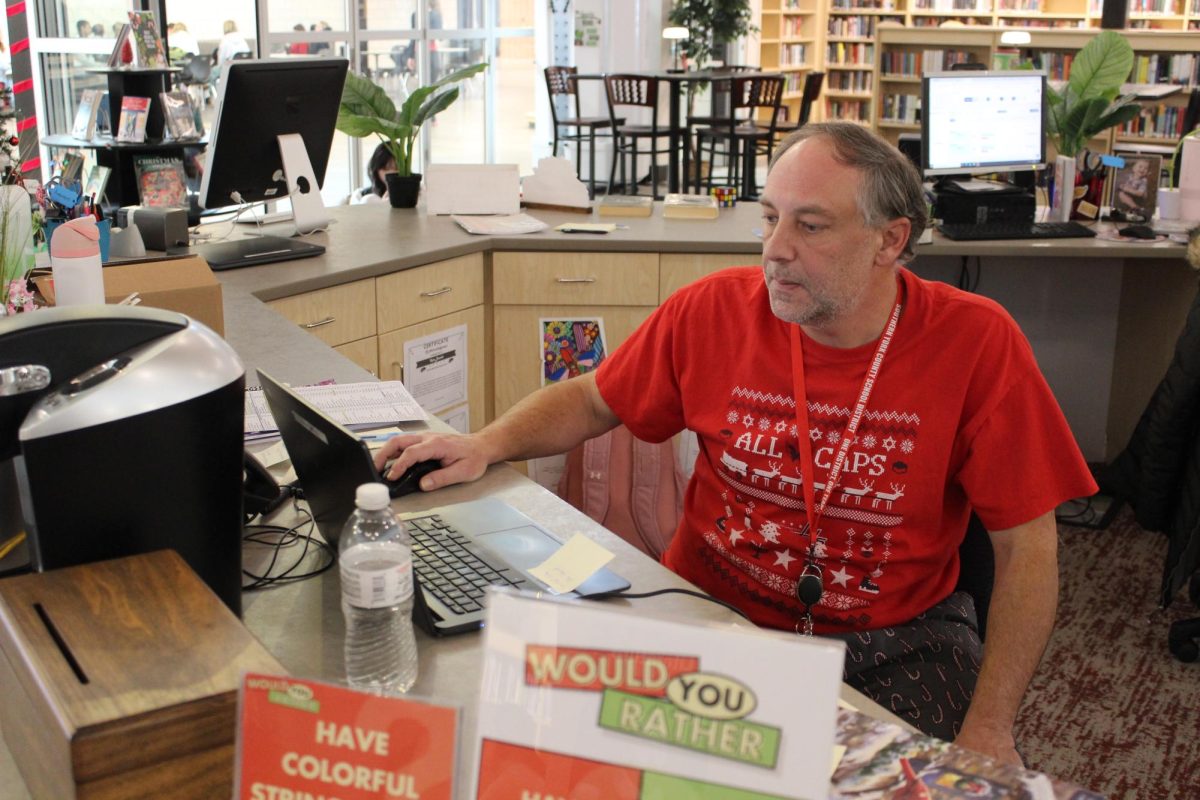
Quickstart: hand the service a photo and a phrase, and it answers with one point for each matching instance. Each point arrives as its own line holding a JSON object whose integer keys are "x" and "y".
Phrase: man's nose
{"x": 779, "y": 243}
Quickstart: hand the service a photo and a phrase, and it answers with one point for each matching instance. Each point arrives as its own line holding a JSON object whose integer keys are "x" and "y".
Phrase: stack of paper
{"x": 355, "y": 405}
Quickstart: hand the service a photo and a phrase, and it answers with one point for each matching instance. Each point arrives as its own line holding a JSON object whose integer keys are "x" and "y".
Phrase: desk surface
{"x": 374, "y": 239}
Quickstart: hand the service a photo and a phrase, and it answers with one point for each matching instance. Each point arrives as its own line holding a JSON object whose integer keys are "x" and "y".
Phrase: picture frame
{"x": 1134, "y": 191}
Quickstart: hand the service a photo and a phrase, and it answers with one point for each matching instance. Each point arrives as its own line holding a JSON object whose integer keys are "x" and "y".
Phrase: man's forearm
{"x": 551, "y": 420}
{"x": 1020, "y": 619}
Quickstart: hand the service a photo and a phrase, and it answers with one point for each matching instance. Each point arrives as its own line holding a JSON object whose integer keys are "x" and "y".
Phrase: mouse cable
{"x": 689, "y": 592}
{"x": 278, "y": 538}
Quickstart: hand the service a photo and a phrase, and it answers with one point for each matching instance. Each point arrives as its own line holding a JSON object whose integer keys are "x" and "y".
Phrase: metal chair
{"x": 642, "y": 92}
{"x": 741, "y": 138}
{"x": 561, "y": 82}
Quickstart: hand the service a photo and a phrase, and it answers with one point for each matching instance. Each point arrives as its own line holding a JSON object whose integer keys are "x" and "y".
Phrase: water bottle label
{"x": 372, "y": 579}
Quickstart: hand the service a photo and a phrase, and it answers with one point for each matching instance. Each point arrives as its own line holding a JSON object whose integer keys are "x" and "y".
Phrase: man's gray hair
{"x": 890, "y": 187}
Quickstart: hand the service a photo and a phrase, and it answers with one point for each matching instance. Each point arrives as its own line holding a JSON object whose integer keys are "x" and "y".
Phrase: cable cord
{"x": 279, "y": 539}
{"x": 689, "y": 592}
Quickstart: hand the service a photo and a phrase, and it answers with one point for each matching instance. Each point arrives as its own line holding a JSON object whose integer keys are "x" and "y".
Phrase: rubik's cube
{"x": 726, "y": 196}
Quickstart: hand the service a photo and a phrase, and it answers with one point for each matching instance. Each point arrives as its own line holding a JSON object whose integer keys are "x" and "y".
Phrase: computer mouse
{"x": 1138, "y": 232}
{"x": 410, "y": 481}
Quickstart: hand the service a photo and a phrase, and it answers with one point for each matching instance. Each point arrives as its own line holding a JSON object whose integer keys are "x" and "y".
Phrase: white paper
{"x": 553, "y": 183}
{"x": 550, "y": 668}
{"x": 457, "y": 418}
{"x": 371, "y": 403}
{"x": 547, "y": 471}
{"x": 506, "y": 225}
{"x": 435, "y": 368}
{"x": 472, "y": 189}
{"x": 571, "y": 564}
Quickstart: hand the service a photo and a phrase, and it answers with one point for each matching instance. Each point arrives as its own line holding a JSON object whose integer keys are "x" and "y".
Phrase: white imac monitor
{"x": 980, "y": 122}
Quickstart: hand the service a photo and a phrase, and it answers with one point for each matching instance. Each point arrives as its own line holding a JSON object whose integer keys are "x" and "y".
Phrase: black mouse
{"x": 410, "y": 481}
{"x": 1138, "y": 232}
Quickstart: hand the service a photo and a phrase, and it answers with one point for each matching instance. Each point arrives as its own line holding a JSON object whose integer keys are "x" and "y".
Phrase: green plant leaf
{"x": 436, "y": 105}
{"x": 462, "y": 74}
{"x": 362, "y": 97}
{"x": 1101, "y": 66}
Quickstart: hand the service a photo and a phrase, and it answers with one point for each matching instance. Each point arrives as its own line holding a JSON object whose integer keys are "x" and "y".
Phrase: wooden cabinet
{"x": 337, "y": 316}
{"x": 622, "y": 289}
{"x": 391, "y": 356}
{"x": 415, "y": 295}
{"x": 679, "y": 269}
{"x": 364, "y": 352}
{"x": 790, "y": 43}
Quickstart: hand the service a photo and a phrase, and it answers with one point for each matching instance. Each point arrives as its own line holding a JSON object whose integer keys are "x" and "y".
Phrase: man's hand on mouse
{"x": 462, "y": 460}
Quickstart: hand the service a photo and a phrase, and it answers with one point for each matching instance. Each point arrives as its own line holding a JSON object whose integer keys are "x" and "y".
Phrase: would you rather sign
{"x": 299, "y": 739}
{"x": 583, "y": 701}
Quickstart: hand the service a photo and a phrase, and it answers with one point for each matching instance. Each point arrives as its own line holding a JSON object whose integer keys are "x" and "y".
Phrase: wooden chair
{"x": 741, "y": 138}
{"x": 638, "y": 91}
{"x": 813, "y": 82}
{"x": 561, "y": 82}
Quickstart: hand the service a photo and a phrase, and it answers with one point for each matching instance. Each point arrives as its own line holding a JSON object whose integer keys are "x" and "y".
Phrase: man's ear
{"x": 893, "y": 237}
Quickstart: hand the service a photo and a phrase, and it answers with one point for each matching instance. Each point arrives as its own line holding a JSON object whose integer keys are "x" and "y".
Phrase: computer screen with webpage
{"x": 980, "y": 122}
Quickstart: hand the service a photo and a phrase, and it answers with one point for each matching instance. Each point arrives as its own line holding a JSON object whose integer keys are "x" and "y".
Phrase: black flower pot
{"x": 403, "y": 190}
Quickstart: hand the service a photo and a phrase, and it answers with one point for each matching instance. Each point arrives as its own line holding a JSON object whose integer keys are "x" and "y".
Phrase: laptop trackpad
{"x": 523, "y": 547}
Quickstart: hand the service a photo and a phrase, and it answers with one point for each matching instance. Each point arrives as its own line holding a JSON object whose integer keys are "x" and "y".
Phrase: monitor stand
{"x": 303, "y": 190}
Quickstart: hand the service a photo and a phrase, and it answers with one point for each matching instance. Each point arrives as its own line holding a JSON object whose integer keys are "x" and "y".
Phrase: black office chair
{"x": 196, "y": 79}
{"x": 638, "y": 91}
{"x": 561, "y": 82}
{"x": 740, "y": 138}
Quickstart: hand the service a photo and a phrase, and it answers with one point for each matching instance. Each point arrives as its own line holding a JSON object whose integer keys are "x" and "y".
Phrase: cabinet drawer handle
{"x": 319, "y": 323}
{"x": 436, "y": 292}
{"x": 575, "y": 280}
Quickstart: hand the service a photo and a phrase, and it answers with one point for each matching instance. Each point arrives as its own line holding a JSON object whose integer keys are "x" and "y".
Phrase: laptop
{"x": 458, "y": 550}
{"x": 255, "y": 250}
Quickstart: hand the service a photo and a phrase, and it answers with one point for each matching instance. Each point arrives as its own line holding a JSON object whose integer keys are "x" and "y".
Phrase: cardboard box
{"x": 119, "y": 679}
{"x": 186, "y": 285}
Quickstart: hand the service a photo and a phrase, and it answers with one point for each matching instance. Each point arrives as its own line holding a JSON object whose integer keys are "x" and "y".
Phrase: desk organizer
{"x": 119, "y": 679}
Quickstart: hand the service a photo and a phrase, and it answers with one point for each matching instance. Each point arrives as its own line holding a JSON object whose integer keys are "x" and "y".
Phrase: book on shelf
{"x": 690, "y": 206}
{"x": 122, "y": 52}
{"x": 97, "y": 182}
{"x": 134, "y": 113}
{"x": 84, "y": 126}
{"x": 179, "y": 115}
{"x": 625, "y": 205}
{"x": 161, "y": 181}
{"x": 148, "y": 50}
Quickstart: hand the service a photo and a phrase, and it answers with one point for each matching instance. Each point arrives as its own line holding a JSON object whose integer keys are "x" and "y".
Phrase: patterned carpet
{"x": 1110, "y": 708}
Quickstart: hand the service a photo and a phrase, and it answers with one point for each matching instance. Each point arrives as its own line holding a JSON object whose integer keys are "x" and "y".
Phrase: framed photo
{"x": 1135, "y": 186}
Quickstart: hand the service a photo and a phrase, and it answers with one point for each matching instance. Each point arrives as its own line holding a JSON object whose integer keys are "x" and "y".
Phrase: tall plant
{"x": 366, "y": 110}
{"x": 1091, "y": 102}
{"x": 710, "y": 23}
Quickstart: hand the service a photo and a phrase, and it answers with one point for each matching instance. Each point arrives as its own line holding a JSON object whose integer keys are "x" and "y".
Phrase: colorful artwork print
{"x": 570, "y": 348}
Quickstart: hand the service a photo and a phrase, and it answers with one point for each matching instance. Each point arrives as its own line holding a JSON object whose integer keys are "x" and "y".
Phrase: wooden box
{"x": 120, "y": 678}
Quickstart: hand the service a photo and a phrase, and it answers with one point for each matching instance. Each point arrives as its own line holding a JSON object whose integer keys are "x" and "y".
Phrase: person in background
{"x": 98, "y": 30}
{"x": 298, "y": 48}
{"x": 181, "y": 39}
{"x": 379, "y": 165}
{"x": 319, "y": 47}
{"x": 231, "y": 43}
{"x": 83, "y": 29}
{"x": 851, "y": 418}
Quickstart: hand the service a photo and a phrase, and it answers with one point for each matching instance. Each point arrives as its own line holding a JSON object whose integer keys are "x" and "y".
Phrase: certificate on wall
{"x": 435, "y": 368}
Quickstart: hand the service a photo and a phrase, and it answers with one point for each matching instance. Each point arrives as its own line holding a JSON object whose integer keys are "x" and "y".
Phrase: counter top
{"x": 374, "y": 239}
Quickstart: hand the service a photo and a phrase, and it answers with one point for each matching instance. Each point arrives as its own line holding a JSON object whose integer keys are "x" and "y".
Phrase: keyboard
{"x": 450, "y": 568}
{"x": 963, "y": 231}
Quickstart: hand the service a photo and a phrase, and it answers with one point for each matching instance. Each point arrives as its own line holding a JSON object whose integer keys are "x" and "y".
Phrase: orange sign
{"x": 597, "y": 670}
{"x": 301, "y": 738}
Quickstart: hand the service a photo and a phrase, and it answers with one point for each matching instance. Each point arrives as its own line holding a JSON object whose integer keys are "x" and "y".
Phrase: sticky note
{"x": 571, "y": 564}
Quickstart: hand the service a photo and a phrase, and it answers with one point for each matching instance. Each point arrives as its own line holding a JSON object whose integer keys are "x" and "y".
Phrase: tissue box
{"x": 119, "y": 679}
{"x": 186, "y": 285}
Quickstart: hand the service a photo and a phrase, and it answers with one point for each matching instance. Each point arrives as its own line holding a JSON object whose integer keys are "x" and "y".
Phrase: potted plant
{"x": 711, "y": 24}
{"x": 1090, "y": 102}
{"x": 367, "y": 110}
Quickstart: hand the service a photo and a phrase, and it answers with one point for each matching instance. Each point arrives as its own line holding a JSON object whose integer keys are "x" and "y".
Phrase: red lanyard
{"x": 807, "y": 465}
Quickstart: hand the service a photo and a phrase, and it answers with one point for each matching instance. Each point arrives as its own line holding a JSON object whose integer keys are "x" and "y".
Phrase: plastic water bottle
{"x": 377, "y": 596}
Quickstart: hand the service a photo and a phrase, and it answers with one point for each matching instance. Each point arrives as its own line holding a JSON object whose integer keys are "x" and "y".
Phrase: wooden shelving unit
{"x": 791, "y": 40}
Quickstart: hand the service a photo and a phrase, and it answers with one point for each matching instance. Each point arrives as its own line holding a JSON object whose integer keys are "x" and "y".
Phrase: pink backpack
{"x": 633, "y": 488}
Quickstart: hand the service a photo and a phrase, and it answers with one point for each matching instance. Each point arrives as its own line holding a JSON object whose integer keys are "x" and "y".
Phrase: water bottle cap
{"x": 372, "y": 497}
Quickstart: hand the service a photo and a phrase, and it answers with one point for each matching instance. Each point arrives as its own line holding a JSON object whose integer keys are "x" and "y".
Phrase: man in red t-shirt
{"x": 850, "y": 418}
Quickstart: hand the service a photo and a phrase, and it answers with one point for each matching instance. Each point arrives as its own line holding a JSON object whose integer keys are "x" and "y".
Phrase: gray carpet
{"x": 1110, "y": 708}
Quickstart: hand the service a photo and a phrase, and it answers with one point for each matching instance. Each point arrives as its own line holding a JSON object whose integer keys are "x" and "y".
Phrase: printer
{"x": 121, "y": 433}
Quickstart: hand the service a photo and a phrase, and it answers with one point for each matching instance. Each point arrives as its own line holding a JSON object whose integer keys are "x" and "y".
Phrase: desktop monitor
{"x": 981, "y": 122}
{"x": 254, "y": 154}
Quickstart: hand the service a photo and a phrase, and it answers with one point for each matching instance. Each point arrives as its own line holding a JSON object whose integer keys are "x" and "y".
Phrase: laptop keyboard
{"x": 450, "y": 568}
